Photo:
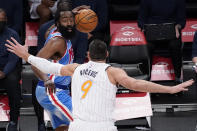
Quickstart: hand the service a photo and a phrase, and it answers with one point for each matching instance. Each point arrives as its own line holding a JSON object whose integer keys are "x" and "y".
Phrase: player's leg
{"x": 58, "y": 106}
{"x": 176, "y": 54}
{"x": 62, "y": 103}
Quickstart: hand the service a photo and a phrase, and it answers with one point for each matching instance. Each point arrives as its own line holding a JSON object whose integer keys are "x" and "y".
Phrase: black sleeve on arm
{"x": 102, "y": 13}
{"x": 181, "y": 14}
{"x": 12, "y": 58}
{"x": 80, "y": 45}
{"x": 143, "y": 14}
{"x": 17, "y": 16}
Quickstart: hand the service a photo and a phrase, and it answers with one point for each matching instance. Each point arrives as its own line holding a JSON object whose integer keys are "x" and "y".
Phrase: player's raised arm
{"x": 120, "y": 77}
{"x": 42, "y": 64}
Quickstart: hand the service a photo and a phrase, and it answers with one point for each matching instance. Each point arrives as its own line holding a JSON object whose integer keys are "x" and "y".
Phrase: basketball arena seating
{"x": 130, "y": 55}
{"x": 120, "y": 10}
{"x": 3, "y": 102}
{"x": 124, "y": 14}
{"x": 128, "y": 51}
{"x": 128, "y": 10}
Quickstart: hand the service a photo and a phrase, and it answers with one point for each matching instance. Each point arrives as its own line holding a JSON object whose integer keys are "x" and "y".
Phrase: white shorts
{"x": 78, "y": 125}
{"x": 33, "y": 8}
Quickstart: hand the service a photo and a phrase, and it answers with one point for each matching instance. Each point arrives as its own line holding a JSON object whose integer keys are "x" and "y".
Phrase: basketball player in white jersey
{"x": 94, "y": 86}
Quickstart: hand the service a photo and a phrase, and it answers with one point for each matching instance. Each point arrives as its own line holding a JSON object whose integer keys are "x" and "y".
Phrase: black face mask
{"x": 64, "y": 31}
{"x": 2, "y": 26}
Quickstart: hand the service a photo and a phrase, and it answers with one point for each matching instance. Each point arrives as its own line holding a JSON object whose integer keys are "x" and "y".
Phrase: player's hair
{"x": 97, "y": 50}
{"x": 64, "y": 6}
{"x": 64, "y": 3}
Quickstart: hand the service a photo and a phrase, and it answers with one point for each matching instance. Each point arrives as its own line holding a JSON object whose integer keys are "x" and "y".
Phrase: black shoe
{"x": 41, "y": 127}
{"x": 12, "y": 126}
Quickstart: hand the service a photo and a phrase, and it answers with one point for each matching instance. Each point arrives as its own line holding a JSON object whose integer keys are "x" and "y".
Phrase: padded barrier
{"x": 27, "y": 78}
{"x": 128, "y": 51}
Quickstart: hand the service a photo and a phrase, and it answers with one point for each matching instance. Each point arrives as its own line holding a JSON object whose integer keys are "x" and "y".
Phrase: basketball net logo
{"x": 194, "y": 26}
{"x": 127, "y": 28}
{"x": 128, "y": 33}
{"x": 161, "y": 64}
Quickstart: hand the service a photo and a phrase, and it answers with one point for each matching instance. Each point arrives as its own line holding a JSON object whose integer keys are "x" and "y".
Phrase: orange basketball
{"x": 86, "y": 20}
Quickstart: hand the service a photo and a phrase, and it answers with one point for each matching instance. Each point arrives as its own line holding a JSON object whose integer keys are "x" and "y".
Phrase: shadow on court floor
{"x": 177, "y": 121}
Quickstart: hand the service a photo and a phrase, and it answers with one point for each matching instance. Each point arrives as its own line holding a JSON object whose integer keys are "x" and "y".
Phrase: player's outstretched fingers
{"x": 11, "y": 43}
{"x": 12, "y": 47}
{"x": 9, "y": 46}
{"x": 14, "y": 40}
{"x": 187, "y": 83}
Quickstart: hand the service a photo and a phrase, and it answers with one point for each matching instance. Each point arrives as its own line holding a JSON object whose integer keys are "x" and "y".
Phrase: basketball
{"x": 86, "y": 20}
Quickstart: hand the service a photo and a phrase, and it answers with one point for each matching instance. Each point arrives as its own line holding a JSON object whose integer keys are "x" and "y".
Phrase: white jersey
{"x": 93, "y": 95}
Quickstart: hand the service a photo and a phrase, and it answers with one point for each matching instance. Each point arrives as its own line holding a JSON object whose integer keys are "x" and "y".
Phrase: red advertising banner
{"x": 122, "y": 25}
{"x": 162, "y": 69}
{"x": 127, "y": 36}
{"x": 189, "y": 30}
{"x": 31, "y": 33}
{"x": 4, "y": 108}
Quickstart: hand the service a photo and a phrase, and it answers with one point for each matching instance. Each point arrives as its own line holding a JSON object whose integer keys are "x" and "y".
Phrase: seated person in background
{"x": 10, "y": 72}
{"x": 165, "y": 11}
{"x": 42, "y": 9}
{"x": 14, "y": 12}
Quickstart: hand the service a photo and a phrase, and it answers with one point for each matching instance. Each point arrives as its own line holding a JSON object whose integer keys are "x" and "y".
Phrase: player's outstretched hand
{"x": 182, "y": 87}
{"x": 78, "y": 8}
{"x": 17, "y": 49}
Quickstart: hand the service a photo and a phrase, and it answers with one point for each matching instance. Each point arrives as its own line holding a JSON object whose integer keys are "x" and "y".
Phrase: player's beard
{"x": 65, "y": 31}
